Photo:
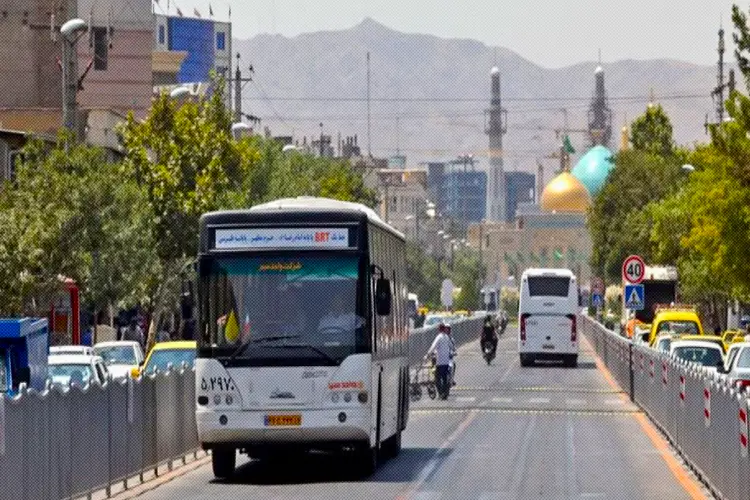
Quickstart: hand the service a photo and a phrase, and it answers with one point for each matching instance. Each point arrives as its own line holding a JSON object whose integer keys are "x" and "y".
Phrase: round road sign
{"x": 633, "y": 269}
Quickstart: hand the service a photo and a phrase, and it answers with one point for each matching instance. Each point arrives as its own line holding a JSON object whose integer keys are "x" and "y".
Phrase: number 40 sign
{"x": 633, "y": 269}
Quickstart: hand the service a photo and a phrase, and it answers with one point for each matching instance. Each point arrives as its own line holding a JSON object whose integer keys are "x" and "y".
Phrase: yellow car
{"x": 165, "y": 353}
{"x": 675, "y": 321}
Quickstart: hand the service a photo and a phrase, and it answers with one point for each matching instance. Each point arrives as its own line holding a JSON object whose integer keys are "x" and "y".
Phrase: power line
{"x": 635, "y": 98}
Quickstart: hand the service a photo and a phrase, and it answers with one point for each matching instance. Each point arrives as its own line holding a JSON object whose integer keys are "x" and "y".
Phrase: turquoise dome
{"x": 593, "y": 168}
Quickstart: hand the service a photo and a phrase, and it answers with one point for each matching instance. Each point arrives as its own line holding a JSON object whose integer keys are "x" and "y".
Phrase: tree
{"x": 71, "y": 213}
{"x": 467, "y": 273}
{"x": 423, "y": 276}
{"x": 615, "y": 221}
{"x": 652, "y": 132}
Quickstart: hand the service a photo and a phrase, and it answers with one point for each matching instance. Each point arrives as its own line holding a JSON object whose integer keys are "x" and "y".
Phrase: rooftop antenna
{"x": 369, "y": 128}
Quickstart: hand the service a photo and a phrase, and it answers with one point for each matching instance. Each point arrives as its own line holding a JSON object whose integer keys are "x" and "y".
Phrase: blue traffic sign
{"x": 596, "y": 299}
{"x": 635, "y": 297}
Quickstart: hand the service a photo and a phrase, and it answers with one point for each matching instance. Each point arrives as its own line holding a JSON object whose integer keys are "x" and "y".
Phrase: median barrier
{"x": 702, "y": 415}
{"x": 463, "y": 330}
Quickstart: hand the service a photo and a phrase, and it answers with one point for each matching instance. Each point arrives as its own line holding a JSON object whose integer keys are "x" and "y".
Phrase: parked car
{"x": 707, "y": 354}
{"x": 164, "y": 354}
{"x": 120, "y": 356}
{"x": 71, "y": 349}
{"x": 663, "y": 343}
{"x": 78, "y": 369}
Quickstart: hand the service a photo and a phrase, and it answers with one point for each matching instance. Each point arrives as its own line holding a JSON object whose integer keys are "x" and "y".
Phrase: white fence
{"x": 704, "y": 417}
{"x": 73, "y": 442}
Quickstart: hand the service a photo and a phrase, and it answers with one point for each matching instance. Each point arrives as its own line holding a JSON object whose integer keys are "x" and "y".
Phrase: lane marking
{"x": 688, "y": 483}
{"x": 464, "y": 399}
{"x": 526, "y": 411}
{"x": 536, "y": 389}
{"x": 539, "y": 400}
{"x": 614, "y": 402}
{"x": 502, "y": 400}
{"x": 575, "y": 401}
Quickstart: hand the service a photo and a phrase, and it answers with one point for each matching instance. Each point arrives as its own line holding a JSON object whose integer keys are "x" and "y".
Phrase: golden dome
{"x": 565, "y": 193}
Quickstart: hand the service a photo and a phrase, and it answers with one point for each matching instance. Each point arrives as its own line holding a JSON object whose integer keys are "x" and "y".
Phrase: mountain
{"x": 428, "y": 94}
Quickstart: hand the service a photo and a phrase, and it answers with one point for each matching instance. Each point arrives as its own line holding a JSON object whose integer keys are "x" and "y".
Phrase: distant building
{"x": 519, "y": 189}
{"x": 458, "y": 191}
{"x": 403, "y": 195}
{"x": 207, "y": 45}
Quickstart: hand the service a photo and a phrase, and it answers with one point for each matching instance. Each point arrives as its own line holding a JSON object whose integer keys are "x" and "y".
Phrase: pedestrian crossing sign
{"x": 634, "y": 297}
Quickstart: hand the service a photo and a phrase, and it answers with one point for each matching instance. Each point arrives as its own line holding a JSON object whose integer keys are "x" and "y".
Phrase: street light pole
{"x": 71, "y": 31}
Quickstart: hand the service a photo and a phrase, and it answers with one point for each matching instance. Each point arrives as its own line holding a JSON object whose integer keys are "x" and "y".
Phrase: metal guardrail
{"x": 72, "y": 442}
{"x": 64, "y": 443}
{"x": 702, "y": 415}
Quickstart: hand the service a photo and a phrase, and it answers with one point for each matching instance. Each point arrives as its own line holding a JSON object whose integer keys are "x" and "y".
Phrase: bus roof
{"x": 302, "y": 204}
{"x": 548, "y": 272}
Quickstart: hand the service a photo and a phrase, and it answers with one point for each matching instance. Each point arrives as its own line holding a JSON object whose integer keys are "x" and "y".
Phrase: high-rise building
{"x": 459, "y": 191}
{"x": 519, "y": 189}
{"x": 495, "y": 128}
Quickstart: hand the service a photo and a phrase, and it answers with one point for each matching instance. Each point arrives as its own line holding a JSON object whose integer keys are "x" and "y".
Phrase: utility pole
{"x": 369, "y": 127}
{"x": 238, "y": 92}
{"x": 719, "y": 91}
{"x": 321, "y": 140}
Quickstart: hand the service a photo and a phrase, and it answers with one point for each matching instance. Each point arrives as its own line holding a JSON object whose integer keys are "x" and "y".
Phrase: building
{"x": 459, "y": 191}
{"x": 202, "y": 45}
{"x": 520, "y": 188}
{"x": 404, "y": 199}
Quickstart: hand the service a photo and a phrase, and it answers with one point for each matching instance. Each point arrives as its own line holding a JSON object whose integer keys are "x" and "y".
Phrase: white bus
{"x": 302, "y": 310}
{"x": 547, "y": 316}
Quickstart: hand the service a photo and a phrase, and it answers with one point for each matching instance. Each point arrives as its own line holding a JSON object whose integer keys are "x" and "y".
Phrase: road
{"x": 505, "y": 433}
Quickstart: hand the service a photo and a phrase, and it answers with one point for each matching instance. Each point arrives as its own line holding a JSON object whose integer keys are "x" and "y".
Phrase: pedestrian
{"x": 441, "y": 349}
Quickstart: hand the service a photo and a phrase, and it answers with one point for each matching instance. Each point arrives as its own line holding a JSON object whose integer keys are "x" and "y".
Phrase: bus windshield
{"x": 272, "y": 307}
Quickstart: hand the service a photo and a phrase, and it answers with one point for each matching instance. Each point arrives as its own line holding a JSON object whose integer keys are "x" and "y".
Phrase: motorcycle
{"x": 488, "y": 351}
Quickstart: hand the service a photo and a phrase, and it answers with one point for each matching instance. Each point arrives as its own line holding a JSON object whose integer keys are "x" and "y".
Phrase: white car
{"x": 71, "y": 349}
{"x": 120, "y": 356}
{"x": 79, "y": 369}
{"x": 663, "y": 343}
{"x": 704, "y": 353}
{"x": 738, "y": 365}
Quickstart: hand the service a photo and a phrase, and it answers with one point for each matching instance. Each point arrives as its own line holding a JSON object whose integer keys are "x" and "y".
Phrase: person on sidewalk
{"x": 442, "y": 348}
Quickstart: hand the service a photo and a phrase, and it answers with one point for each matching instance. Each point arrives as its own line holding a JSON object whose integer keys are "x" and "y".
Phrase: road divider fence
{"x": 703, "y": 416}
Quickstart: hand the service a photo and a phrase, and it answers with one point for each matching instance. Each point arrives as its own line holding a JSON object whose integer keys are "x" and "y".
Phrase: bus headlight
{"x": 362, "y": 397}
{"x": 347, "y": 397}
{"x": 335, "y": 397}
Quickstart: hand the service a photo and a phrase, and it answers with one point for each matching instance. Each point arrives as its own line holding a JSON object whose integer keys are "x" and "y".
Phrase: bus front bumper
{"x": 245, "y": 427}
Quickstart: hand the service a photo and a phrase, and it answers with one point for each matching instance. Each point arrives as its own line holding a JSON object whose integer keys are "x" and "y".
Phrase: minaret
{"x": 495, "y": 128}
{"x": 600, "y": 115}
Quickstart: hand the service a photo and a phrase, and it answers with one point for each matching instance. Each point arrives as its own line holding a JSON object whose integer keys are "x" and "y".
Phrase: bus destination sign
{"x": 232, "y": 239}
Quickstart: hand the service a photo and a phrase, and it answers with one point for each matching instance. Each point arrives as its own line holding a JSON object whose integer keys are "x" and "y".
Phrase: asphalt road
{"x": 506, "y": 432}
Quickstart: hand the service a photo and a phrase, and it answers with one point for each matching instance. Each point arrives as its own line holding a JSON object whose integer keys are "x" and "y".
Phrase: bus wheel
{"x": 223, "y": 462}
{"x": 367, "y": 461}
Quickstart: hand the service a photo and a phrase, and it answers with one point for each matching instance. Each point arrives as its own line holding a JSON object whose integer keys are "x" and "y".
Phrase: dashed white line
{"x": 575, "y": 401}
{"x": 502, "y": 400}
{"x": 466, "y": 399}
{"x": 614, "y": 402}
{"x": 539, "y": 400}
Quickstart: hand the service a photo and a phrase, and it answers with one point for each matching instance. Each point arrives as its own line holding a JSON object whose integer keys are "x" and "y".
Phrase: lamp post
{"x": 71, "y": 32}
{"x": 238, "y": 129}
{"x": 180, "y": 93}
{"x": 688, "y": 168}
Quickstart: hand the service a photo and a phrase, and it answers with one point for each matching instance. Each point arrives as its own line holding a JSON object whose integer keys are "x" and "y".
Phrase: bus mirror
{"x": 383, "y": 297}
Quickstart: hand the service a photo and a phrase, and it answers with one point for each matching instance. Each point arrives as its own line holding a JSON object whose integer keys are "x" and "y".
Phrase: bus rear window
{"x": 548, "y": 286}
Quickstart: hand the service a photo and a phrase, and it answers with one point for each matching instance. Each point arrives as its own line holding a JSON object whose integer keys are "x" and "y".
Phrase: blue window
{"x": 221, "y": 41}
{"x": 162, "y": 34}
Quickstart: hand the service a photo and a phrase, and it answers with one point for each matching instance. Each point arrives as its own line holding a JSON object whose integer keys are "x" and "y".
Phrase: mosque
{"x": 553, "y": 232}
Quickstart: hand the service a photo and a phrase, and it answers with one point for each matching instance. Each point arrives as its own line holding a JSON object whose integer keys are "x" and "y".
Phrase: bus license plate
{"x": 548, "y": 346}
{"x": 283, "y": 420}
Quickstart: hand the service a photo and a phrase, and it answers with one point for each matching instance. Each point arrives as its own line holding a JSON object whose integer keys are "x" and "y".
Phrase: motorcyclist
{"x": 489, "y": 334}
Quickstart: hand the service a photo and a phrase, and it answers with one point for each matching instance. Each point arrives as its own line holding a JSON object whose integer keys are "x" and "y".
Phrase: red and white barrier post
{"x": 682, "y": 389}
{"x": 744, "y": 429}
{"x": 707, "y": 403}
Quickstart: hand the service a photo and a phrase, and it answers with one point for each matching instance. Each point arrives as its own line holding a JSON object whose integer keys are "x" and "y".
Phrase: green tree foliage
{"x": 619, "y": 222}
{"x": 652, "y": 132}
{"x": 466, "y": 275}
{"x": 70, "y": 213}
{"x": 423, "y": 276}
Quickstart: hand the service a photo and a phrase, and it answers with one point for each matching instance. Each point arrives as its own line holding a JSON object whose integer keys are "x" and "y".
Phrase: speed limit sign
{"x": 633, "y": 269}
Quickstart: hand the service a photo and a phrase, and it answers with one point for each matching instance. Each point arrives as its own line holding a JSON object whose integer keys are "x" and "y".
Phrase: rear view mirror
{"x": 383, "y": 297}
{"x": 720, "y": 367}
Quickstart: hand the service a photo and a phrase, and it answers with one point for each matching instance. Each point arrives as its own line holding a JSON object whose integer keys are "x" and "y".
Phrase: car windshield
{"x": 743, "y": 361}
{"x": 117, "y": 355}
{"x": 70, "y": 373}
{"x": 258, "y": 304}
{"x": 679, "y": 327}
{"x": 706, "y": 356}
{"x": 161, "y": 359}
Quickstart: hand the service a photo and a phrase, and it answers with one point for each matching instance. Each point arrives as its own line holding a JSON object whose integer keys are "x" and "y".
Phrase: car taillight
{"x": 522, "y": 327}
{"x": 742, "y": 384}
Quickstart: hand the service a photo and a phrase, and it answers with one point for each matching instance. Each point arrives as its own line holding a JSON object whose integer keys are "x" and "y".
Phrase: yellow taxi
{"x": 164, "y": 354}
{"x": 675, "y": 321}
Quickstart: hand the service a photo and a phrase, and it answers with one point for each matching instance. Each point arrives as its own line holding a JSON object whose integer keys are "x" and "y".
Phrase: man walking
{"x": 442, "y": 348}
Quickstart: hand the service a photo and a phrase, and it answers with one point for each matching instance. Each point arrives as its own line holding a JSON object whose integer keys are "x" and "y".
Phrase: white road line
{"x": 502, "y": 400}
{"x": 466, "y": 399}
{"x": 575, "y": 401}
{"x": 539, "y": 400}
{"x": 614, "y": 402}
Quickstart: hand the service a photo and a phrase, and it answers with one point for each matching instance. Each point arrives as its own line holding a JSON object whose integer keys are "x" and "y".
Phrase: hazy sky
{"x": 551, "y": 33}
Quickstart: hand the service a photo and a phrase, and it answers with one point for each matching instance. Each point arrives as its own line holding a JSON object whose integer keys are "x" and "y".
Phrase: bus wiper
{"x": 311, "y": 347}
{"x": 251, "y": 340}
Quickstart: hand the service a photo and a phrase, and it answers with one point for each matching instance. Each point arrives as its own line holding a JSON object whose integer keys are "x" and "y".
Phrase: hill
{"x": 428, "y": 94}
